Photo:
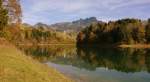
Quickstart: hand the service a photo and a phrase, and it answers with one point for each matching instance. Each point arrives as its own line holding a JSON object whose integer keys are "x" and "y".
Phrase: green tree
{"x": 124, "y": 31}
{"x": 147, "y": 33}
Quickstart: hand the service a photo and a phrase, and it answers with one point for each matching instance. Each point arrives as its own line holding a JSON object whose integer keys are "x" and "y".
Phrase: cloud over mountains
{"x": 50, "y": 11}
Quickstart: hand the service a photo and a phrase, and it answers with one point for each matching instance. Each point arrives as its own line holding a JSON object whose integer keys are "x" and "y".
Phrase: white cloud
{"x": 37, "y": 9}
{"x": 80, "y": 5}
{"x": 60, "y": 5}
{"x": 130, "y": 3}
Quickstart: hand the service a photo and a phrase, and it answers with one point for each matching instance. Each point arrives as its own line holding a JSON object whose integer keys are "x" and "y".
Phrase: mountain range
{"x": 73, "y": 26}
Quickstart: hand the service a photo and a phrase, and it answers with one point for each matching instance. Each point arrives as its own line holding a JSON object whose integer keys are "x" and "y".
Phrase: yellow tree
{"x": 3, "y": 16}
{"x": 14, "y": 11}
{"x": 13, "y": 8}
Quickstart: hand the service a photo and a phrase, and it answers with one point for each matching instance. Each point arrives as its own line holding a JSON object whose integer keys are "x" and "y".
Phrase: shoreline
{"x": 117, "y": 45}
{"x": 92, "y": 45}
{"x": 134, "y": 46}
{"x": 15, "y": 66}
{"x": 45, "y": 44}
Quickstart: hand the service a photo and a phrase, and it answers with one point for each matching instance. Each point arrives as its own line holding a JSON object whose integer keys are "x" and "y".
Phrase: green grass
{"x": 17, "y": 67}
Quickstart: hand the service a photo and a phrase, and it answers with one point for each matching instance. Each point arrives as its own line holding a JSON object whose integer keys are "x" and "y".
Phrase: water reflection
{"x": 90, "y": 58}
{"x": 49, "y": 53}
{"x": 124, "y": 60}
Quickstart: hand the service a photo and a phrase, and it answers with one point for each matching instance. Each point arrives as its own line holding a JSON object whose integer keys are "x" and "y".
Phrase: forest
{"x": 13, "y": 30}
{"x": 51, "y": 45}
{"x": 124, "y": 31}
{"x": 15, "y": 66}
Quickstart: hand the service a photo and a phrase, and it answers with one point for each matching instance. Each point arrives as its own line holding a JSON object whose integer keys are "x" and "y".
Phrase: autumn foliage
{"x": 124, "y": 31}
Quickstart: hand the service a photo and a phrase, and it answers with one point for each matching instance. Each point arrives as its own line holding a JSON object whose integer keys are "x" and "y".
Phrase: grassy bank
{"x": 16, "y": 67}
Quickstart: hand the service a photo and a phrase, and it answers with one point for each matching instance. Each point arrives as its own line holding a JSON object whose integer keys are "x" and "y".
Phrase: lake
{"x": 93, "y": 64}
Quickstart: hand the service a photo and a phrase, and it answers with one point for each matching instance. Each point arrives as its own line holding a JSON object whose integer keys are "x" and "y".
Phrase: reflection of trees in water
{"x": 147, "y": 62}
{"x": 45, "y": 53}
{"x": 66, "y": 55}
{"x": 125, "y": 60}
{"x": 90, "y": 58}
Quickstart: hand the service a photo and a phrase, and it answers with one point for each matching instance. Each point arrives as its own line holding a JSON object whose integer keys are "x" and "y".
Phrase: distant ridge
{"x": 74, "y": 25}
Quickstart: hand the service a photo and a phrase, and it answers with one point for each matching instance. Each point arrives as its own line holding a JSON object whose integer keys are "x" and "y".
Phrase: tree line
{"x": 13, "y": 30}
{"x": 45, "y": 35}
{"x": 124, "y": 31}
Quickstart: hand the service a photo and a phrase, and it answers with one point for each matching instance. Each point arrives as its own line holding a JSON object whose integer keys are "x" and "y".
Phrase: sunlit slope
{"x": 16, "y": 67}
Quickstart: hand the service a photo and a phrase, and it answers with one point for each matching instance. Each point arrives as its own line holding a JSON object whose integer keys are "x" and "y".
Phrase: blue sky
{"x": 53, "y": 11}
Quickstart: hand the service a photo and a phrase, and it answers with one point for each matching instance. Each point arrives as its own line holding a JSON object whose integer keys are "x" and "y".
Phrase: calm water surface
{"x": 92, "y": 64}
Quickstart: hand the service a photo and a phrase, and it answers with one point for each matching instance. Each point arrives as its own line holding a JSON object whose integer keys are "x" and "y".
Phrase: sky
{"x": 54, "y": 11}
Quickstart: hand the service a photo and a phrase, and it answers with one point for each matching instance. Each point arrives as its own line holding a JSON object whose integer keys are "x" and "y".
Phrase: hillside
{"x": 74, "y": 25}
{"x": 17, "y": 67}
